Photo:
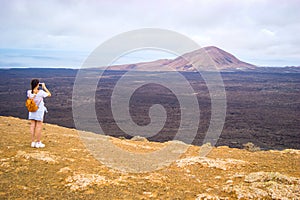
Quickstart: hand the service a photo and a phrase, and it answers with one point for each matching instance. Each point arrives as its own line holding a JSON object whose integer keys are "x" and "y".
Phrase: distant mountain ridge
{"x": 204, "y": 57}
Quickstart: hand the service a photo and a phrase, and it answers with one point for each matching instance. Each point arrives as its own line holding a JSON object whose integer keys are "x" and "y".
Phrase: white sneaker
{"x": 39, "y": 145}
{"x": 32, "y": 144}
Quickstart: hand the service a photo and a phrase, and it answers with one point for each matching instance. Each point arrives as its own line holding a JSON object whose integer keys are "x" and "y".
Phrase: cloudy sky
{"x": 62, "y": 33}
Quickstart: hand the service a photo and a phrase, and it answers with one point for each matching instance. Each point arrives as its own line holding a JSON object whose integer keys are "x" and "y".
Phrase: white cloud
{"x": 255, "y": 31}
{"x": 268, "y": 32}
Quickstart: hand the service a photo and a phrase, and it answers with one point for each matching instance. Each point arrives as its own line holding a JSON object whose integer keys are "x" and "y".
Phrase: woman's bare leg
{"x": 38, "y": 130}
{"x": 32, "y": 130}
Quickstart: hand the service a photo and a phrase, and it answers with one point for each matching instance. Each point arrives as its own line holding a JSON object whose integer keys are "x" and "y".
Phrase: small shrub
{"x": 251, "y": 147}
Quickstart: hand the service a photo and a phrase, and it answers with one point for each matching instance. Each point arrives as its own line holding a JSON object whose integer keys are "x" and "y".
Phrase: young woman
{"x": 37, "y": 117}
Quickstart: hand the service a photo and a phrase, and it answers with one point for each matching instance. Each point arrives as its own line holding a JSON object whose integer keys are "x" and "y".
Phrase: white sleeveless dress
{"x": 39, "y": 100}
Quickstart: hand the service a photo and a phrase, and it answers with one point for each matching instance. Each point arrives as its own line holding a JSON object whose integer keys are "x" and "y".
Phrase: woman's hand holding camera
{"x": 42, "y": 85}
{"x": 45, "y": 88}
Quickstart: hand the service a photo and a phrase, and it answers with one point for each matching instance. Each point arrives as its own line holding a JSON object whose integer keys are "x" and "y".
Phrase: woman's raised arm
{"x": 46, "y": 90}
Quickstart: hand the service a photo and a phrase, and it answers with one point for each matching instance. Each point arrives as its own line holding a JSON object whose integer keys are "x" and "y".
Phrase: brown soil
{"x": 65, "y": 169}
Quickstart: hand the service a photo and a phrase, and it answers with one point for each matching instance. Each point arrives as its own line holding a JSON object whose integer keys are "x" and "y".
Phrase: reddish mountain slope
{"x": 207, "y": 58}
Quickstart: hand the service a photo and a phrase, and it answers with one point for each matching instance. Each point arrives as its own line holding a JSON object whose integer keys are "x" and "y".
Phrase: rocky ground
{"x": 65, "y": 169}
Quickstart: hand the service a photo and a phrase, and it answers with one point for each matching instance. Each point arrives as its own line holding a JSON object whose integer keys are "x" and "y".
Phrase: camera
{"x": 40, "y": 84}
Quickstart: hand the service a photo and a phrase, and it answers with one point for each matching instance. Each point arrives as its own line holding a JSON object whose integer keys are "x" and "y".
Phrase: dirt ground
{"x": 65, "y": 169}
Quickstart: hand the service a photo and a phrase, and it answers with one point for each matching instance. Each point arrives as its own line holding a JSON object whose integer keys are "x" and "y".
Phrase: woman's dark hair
{"x": 34, "y": 83}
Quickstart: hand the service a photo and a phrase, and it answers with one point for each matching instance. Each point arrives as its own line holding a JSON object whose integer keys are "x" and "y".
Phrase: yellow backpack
{"x": 31, "y": 105}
